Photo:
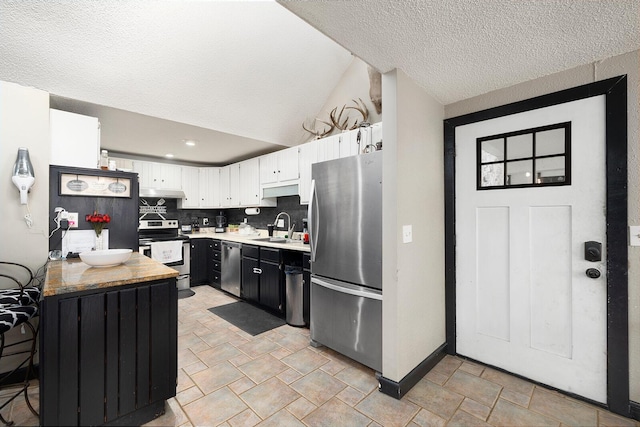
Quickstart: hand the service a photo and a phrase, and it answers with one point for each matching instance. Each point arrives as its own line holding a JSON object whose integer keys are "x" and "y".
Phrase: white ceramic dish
{"x": 106, "y": 258}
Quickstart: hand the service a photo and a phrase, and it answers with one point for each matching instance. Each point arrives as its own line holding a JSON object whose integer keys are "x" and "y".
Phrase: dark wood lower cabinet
{"x": 108, "y": 357}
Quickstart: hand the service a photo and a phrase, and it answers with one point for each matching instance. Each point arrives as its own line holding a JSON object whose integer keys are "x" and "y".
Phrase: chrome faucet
{"x": 289, "y": 228}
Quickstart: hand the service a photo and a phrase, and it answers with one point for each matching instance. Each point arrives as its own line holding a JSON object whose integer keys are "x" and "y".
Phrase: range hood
{"x": 167, "y": 194}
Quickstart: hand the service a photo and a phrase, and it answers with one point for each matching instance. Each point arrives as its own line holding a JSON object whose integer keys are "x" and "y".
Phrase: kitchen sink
{"x": 276, "y": 240}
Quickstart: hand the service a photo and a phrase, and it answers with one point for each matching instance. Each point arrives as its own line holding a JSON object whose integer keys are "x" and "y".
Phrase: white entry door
{"x": 530, "y": 191}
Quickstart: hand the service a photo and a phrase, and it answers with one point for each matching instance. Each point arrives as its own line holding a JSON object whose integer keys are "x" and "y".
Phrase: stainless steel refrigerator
{"x": 345, "y": 223}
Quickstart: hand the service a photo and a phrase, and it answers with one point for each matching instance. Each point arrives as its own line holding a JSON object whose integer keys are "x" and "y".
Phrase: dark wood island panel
{"x": 108, "y": 356}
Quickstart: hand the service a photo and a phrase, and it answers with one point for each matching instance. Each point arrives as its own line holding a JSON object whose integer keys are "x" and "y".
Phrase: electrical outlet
{"x": 407, "y": 234}
{"x": 280, "y": 223}
{"x": 72, "y": 219}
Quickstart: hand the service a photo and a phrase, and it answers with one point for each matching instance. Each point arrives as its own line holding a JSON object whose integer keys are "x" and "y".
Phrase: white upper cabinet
{"x": 230, "y": 186}
{"x": 75, "y": 139}
{"x": 307, "y": 155}
{"x": 279, "y": 167}
{"x": 328, "y": 148}
{"x": 191, "y": 188}
{"x": 201, "y": 187}
{"x": 209, "y": 187}
{"x": 250, "y": 182}
{"x": 158, "y": 175}
{"x": 349, "y": 143}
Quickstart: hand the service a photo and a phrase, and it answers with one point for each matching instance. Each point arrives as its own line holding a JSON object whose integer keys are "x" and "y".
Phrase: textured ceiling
{"x": 243, "y": 75}
{"x": 457, "y": 49}
{"x": 251, "y": 69}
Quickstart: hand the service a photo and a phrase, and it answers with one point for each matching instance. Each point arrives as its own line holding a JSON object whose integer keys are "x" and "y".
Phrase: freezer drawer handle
{"x": 257, "y": 270}
{"x": 344, "y": 290}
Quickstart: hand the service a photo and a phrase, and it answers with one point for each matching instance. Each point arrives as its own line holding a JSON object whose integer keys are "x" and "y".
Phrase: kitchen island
{"x": 108, "y": 342}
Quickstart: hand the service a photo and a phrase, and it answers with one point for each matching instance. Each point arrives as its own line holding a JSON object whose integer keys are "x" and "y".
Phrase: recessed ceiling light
{"x": 169, "y": 155}
{"x": 189, "y": 142}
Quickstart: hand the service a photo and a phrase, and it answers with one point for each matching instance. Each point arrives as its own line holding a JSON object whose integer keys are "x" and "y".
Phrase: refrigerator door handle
{"x": 313, "y": 220}
{"x": 344, "y": 290}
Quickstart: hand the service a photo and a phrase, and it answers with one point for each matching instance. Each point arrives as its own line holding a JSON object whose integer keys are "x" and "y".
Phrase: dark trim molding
{"x": 615, "y": 90}
{"x": 635, "y": 410}
{"x": 397, "y": 390}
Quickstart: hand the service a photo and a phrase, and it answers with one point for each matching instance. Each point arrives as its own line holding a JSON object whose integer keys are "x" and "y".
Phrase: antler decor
{"x": 319, "y": 133}
{"x": 344, "y": 124}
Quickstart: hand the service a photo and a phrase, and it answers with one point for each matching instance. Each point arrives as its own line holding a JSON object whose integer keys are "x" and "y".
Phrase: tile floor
{"x": 229, "y": 378}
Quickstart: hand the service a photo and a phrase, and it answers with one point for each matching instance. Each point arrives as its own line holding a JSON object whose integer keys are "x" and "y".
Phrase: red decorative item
{"x": 98, "y": 221}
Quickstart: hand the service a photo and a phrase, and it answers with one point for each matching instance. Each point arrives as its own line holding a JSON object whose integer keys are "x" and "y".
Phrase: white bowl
{"x": 106, "y": 258}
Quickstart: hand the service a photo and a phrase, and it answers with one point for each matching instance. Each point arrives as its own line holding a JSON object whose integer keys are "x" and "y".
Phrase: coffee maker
{"x": 221, "y": 223}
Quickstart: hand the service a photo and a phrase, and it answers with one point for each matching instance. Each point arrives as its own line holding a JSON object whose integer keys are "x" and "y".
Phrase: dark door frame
{"x": 615, "y": 91}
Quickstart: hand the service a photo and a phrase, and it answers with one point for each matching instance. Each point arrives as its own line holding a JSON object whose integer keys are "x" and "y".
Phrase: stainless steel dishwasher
{"x": 231, "y": 267}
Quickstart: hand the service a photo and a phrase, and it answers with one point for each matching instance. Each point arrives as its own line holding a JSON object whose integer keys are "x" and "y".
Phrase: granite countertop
{"x": 66, "y": 276}
{"x": 249, "y": 239}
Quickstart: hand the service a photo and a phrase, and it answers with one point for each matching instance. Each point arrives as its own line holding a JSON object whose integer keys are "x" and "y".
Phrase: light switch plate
{"x": 634, "y": 235}
{"x": 407, "y": 234}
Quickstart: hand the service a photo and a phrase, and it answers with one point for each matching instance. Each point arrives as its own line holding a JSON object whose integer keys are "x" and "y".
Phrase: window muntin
{"x": 528, "y": 158}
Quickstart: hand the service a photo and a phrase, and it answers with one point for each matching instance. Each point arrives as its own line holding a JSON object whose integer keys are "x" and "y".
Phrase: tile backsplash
{"x": 288, "y": 204}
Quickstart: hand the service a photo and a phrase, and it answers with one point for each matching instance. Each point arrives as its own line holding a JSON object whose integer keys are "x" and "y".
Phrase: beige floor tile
{"x": 567, "y": 410}
{"x": 194, "y": 368}
{"x": 214, "y": 408}
{"x": 186, "y": 357}
{"x": 607, "y": 419}
{"x": 269, "y": 397}
{"x": 333, "y": 366}
{"x": 386, "y": 410}
{"x": 240, "y": 360}
{"x": 463, "y": 419}
{"x": 508, "y": 414}
{"x": 515, "y": 397}
{"x": 305, "y": 360}
{"x": 218, "y": 354}
{"x": 189, "y": 340}
{"x": 282, "y": 418}
{"x": 289, "y": 376}
{"x": 435, "y": 398}
{"x": 184, "y": 381}
{"x": 242, "y": 385}
{"x": 216, "y": 377}
{"x": 448, "y": 365}
{"x": 471, "y": 368}
{"x": 173, "y": 415}
{"x": 246, "y": 418}
{"x": 425, "y": 418}
{"x": 220, "y": 336}
{"x": 437, "y": 377}
{"x": 293, "y": 342}
{"x": 476, "y": 409}
{"x": 478, "y": 389}
{"x": 281, "y": 352}
{"x": 263, "y": 368}
{"x": 318, "y": 387}
{"x": 351, "y": 396}
{"x": 363, "y": 379}
{"x": 301, "y": 408}
{"x": 189, "y": 395}
{"x": 336, "y": 413}
{"x": 508, "y": 381}
{"x": 258, "y": 347}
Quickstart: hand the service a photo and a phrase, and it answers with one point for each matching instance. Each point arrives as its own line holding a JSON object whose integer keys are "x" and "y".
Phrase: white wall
{"x": 24, "y": 122}
{"x": 623, "y": 64}
{"x": 413, "y": 194}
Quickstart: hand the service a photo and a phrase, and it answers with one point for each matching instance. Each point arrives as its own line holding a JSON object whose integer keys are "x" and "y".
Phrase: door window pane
{"x": 520, "y": 146}
{"x": 492, "y": 150}
{"x": 492, "y": 175}
{"x": 550, "y": 142}
{"x": 520, "y": 172}
{"x": 550, "y": 169}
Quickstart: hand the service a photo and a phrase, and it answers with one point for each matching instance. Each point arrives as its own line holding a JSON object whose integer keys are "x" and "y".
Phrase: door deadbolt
{"x": 593, "y": 251}
{"x": 593, "y": 273}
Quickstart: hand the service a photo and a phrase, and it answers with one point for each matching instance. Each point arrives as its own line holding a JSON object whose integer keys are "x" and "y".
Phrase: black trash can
{"x": 294, "y": 295}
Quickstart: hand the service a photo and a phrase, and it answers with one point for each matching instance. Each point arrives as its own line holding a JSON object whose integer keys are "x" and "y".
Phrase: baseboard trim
{"x": 399, "y": 389}
{"x": 634, "y": 408}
